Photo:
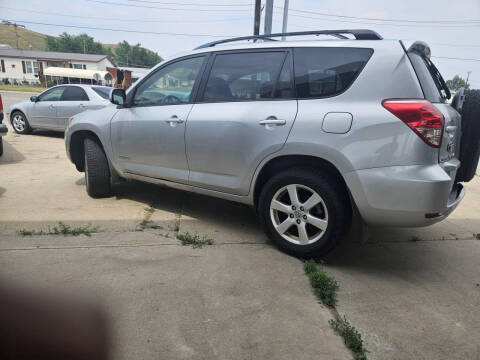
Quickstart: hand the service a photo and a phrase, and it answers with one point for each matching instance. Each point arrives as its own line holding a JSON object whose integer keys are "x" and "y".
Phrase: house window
{"x": 78, "y": 66}
{"x": 28, "y": 65}
{"x": 35, "y": 68}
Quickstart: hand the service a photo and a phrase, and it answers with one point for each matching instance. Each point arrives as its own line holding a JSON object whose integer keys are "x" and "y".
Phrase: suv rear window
{"x": 430, "y": 88}
{"x": 324, "y": 72}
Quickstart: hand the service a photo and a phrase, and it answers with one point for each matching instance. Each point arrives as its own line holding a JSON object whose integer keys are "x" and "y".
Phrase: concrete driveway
{"x": 412, "y": 293}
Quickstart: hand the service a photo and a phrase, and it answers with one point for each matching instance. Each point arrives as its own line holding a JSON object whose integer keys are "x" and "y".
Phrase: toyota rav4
{"x": 304, "y": 131}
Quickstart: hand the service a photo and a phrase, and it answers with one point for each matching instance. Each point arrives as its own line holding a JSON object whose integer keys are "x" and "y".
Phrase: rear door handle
{"x": 81, "y": 106}
{"x": 52, "y": 106}
{"x": 273, "y": 121}
{"x": 174, "y": 119}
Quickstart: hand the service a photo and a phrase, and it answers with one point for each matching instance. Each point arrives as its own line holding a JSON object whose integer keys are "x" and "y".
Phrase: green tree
{"x": 456, "y": 83}
{"x": 124, "y": 54}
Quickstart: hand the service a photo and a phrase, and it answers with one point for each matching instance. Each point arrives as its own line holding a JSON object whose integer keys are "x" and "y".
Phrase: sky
{"x": 451, "y": 28}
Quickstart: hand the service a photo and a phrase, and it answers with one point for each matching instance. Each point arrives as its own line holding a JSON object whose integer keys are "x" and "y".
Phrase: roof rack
{"x": 359, "y": 34}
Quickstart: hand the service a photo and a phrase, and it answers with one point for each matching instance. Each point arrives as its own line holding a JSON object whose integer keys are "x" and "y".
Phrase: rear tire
{"x": 470, "y": 141}
{"x": 314, "y": 230}
{"x": 20, "y": 123}
{"x": 97, "y": 172}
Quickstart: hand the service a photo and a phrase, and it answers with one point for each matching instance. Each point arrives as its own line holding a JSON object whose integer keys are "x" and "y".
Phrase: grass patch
{"x": 62, "y": 229}
{"x": 324, "y": 286}
{"x": 24, "y": 88}
{"x": 351, "y": 336}
{"x": 194, "y": 240}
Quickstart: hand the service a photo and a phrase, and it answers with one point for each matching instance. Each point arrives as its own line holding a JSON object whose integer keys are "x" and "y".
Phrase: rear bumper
{"x": 403, "y": 195}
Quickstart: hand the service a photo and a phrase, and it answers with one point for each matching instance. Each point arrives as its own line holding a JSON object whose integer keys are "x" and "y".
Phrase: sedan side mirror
{"x": 118, "y": 97}
{"x": 33, "y": 98}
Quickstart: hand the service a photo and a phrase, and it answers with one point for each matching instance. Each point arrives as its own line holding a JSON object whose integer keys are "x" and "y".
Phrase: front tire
{"x": 97, "y": 172}
{"x": 20, "y": 123}
{"x": 306, "y": 213}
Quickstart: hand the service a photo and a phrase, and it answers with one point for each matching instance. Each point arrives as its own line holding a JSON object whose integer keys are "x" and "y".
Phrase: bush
{"x": 15, "y": 82}
{"x": 25, "y": 82}
{"x": 6, "y": 81}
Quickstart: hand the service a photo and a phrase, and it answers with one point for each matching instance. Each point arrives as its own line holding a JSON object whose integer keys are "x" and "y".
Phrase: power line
{"x": 383, "y": 24}
{"x": 454, "y": 58}
{"x": 380, "y": 19}
{"x": 122, "y": 19}
{"x": 189, "y": 4}
{"x": 164, "y": 8}
{"x": 123, "y": 30}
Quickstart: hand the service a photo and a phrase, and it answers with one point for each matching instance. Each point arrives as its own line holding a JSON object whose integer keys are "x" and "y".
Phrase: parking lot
{"x": 412, "y": 293}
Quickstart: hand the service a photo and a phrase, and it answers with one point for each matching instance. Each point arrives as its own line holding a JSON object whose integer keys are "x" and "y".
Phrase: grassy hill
{"x": 28, "y": 39}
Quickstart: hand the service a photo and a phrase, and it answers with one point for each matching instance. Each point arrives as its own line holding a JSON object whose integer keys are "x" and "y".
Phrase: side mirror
{"x": 118, "y": 97}
{"x": 33, "y": 98}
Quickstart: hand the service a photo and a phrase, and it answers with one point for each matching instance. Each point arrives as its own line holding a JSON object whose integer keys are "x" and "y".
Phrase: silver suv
{"x": 304, "y": 131}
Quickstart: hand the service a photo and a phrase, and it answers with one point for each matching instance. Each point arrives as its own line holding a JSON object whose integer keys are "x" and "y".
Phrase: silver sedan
{"x": 51, "y": 109}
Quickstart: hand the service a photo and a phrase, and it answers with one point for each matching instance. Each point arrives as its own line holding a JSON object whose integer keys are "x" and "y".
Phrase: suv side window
{"x": 243, "y": 76}
{"x": 323, "y": 72}
{"x": 53, "y": 94}
{"x": 74, "y": 93}
{"x": 170, "y": 85}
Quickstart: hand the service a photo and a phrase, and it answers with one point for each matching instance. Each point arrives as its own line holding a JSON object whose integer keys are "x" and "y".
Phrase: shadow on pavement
{"x": 10, "y": 154}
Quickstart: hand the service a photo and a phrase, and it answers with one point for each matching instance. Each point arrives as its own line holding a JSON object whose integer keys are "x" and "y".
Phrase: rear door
{"x": 244, "y": 113}
{"x": 73, "y": 101}
{"x": 44, "y": 111}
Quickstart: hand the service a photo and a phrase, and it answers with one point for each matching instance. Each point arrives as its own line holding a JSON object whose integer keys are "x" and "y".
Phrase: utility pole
{"x": 285, "y": 18}
{"x": 468, "y": 77}
{"x": 268, "y": 17}
{"x": 15, "y": 26}
{"x": 256, "y": 18}
{"x": 84, "y": 46}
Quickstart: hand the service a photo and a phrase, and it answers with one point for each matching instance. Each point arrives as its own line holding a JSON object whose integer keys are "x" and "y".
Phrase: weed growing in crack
{"x": 62, "y": 229}
{"x": 477, "y": 236}
{"x": 194, "y": 240}
{"x": 324, "y": 286}
{"x": 351, "y": 336}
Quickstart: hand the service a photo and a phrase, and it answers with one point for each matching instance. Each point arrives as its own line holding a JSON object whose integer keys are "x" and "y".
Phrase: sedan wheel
{"x": 20, "y": 123}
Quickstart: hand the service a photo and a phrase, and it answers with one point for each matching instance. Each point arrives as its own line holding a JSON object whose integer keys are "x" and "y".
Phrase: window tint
{"x": 243, "y": 76}
{"x": 53, "y": 94}
{"x": 430, "y": 89}
{"x": 321, "y": 72}
{"x": 170, "y": 85}
{"x": 74, "y": 93}
{"x": 104, "y": 92}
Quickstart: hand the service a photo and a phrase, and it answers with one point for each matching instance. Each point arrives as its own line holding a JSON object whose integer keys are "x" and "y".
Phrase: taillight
{"x": 421, "y": 116}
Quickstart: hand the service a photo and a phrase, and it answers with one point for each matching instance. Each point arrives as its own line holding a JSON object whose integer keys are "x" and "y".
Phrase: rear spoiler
{"x": 421, "y": 48}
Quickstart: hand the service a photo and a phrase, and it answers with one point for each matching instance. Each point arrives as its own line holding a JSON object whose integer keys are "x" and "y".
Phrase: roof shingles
{"x": 50, "y": 55}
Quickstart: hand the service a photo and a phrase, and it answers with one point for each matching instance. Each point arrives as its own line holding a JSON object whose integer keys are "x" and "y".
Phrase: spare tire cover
{"x": 470, "y": 141}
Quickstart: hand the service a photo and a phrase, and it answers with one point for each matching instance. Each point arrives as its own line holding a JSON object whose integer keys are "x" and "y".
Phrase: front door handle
{"x": 174, "y": 119}
{"x": 272, "y": 120}
{"x": 52, "y": 106}
{"x": 81, "y": 106}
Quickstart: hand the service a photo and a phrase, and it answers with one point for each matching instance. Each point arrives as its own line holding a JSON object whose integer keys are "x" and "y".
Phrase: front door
{"x": 245, "y": 113}
{"x": 44, "y": 111}
{"x": 148, "y": 137}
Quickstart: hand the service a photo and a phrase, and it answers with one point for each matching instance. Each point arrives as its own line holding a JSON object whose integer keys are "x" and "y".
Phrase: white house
{"x": 26, "y": 65}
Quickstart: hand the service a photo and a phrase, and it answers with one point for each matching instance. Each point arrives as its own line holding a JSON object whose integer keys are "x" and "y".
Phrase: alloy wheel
{"x": 18, "y": 123}
{"x": 299, "y": 214}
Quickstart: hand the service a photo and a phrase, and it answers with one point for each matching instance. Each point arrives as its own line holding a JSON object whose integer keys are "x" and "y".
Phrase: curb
{"x": 19, "y": 92}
